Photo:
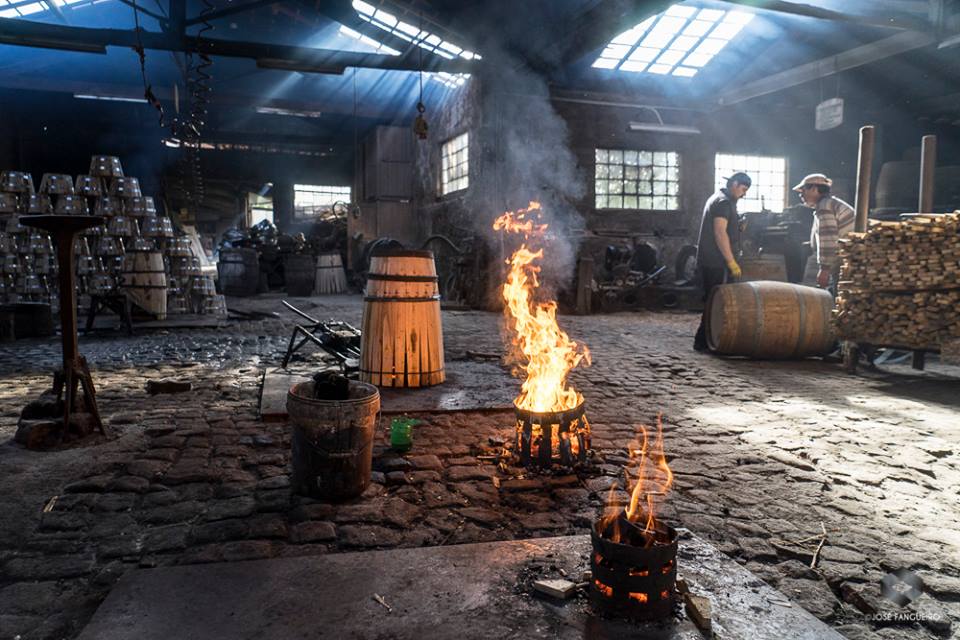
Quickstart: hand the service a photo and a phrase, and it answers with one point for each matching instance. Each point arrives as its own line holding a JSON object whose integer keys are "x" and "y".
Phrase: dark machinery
{"x": 786, "y": 233}
{"x": 626, "y": 271}
{"x": 338, "y": 339}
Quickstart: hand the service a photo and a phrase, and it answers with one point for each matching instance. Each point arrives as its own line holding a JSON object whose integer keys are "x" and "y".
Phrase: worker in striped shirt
{"x": 832, "y": 219}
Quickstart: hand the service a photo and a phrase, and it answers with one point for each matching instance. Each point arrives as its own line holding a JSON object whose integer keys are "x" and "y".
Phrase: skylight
{"x": 367, "y": 40}
{"x": 679, "y": 42}
{"x": 451, "y": 80}
{"x": 406, "y": 31}
{"x": 18, "y": 8}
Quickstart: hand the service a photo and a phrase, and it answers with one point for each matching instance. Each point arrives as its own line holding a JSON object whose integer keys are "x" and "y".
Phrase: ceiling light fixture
{"x": 299, "y": 65}
{"x": 659, "y": 127}
{"x": 90, "y": 96}
{"x": 278, "y": 111}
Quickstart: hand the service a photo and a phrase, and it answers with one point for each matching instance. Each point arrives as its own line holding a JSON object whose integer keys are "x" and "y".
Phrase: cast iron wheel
{"x": 686, "y": 265}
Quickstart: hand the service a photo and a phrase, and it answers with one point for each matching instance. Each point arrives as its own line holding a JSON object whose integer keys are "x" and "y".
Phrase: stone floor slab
{"x": 458, "y": 592}
{"x": 469, "y": 386}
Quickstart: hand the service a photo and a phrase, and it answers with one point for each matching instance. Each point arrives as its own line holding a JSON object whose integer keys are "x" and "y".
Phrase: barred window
{"x": 259, "y": 208}
{"x": 311, "y": 200}
{"x": 768, "y": 174}
{"x": 455, "y": 165}
{"x": 632, "y": 179}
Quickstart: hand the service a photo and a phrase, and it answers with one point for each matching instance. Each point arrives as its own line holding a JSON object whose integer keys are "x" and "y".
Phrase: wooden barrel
{"x": 238, "y": 271}
{"x": 898, "y": 185}
{"x": 402, "y": 337}
{"x": 770, "y": 266}
{"x": 143, "y": 279}
{"x": 770, "y": 320}
{"x": 25, "y": 320}
{"x": 298, "y": 273}
{"x": 330, "y": 275}
{"x": 332, "y": 444}
{"x": 947, "y": 188}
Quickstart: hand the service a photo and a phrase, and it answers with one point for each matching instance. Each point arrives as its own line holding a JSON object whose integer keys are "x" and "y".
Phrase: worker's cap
{"x": 740, "y": 177}
{"x": 814, "y": 178}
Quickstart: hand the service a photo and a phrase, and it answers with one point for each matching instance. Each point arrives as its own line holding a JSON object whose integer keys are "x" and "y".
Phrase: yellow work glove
{"x": 735, "y": 269}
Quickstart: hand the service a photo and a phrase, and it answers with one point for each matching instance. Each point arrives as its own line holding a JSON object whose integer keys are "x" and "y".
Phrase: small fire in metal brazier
{"x": 634, "y": 557}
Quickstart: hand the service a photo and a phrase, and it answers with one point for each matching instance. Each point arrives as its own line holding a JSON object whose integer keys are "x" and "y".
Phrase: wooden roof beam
{"x": 851, "y": 59}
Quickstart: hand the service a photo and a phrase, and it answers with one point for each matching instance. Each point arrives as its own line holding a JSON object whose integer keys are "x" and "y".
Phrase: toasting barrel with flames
{"x": 552, "y": 427}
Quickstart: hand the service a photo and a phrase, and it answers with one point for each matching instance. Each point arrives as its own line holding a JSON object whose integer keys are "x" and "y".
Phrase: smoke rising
{"x": 525, "y": 155}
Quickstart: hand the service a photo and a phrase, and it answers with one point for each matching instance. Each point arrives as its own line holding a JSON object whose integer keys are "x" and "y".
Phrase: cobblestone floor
{"x": 764, "y": 454}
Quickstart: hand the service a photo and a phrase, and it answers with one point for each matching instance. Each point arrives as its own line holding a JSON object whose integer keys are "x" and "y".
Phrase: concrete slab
{"x": 470, "y": 386}
{"x": 186, "y": 321}
{"x": 273, "y": 392}
{"x": 465, "y": 592}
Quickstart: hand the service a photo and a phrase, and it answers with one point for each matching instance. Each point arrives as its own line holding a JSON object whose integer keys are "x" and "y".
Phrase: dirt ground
{"x": 767, "y": 456}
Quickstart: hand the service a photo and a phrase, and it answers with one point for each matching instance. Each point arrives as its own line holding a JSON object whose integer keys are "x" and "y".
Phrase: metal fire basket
{"x": 544, "y": 439}
{"x": 634, "y": 580}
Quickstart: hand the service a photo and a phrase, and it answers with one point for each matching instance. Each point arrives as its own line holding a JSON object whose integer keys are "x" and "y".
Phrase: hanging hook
{"x": 420, "y": 127}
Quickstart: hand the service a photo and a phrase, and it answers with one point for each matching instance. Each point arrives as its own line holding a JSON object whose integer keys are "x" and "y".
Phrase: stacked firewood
{"x": 900, "y": 282}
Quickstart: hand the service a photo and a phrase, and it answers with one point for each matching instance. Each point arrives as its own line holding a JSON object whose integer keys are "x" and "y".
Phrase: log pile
{"x": 900, "y": 283}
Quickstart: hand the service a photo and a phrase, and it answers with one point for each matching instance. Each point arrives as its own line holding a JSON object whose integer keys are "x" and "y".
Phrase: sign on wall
{"x": 829, "y": 114}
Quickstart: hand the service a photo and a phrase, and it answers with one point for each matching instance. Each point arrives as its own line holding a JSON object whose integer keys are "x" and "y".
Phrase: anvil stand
{"x": 64, "y": 228}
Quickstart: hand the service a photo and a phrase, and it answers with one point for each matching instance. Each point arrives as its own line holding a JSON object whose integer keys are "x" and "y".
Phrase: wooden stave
{"x": 401, "y": 265}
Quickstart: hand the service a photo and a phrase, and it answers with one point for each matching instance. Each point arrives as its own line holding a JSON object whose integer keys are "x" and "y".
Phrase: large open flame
{"x": 653, "y": 480}
{"x": 547, "y": 354}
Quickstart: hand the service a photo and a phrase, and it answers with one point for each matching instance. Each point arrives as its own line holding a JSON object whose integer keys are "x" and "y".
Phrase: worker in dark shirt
{"x": 719, "y": 238}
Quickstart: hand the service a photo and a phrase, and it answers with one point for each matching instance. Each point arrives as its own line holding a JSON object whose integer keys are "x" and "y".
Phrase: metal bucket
{"x": 332, "y": 448}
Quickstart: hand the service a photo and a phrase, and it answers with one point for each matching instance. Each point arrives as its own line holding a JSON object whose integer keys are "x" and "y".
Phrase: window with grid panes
{"x": 769, "y": 180}
{"x": 454, "y": 165}
{"x": 632, "y": 179}
{"x": 312, "y": 200}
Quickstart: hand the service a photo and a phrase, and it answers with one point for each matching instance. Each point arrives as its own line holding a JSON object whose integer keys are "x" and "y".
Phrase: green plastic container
{"x": 401, "y": 433}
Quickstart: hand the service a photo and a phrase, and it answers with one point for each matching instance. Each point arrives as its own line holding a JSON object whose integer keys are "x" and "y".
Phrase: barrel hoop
{"x": 405, "y": 374}
{"x": 758, "y": 327}
{"x": 802, "y": 307}
{"x": 377, "y": 299}
{"x": 389, "y": 278}
{"x": 826, "y": 311}
{"x": 401, "y": 253}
